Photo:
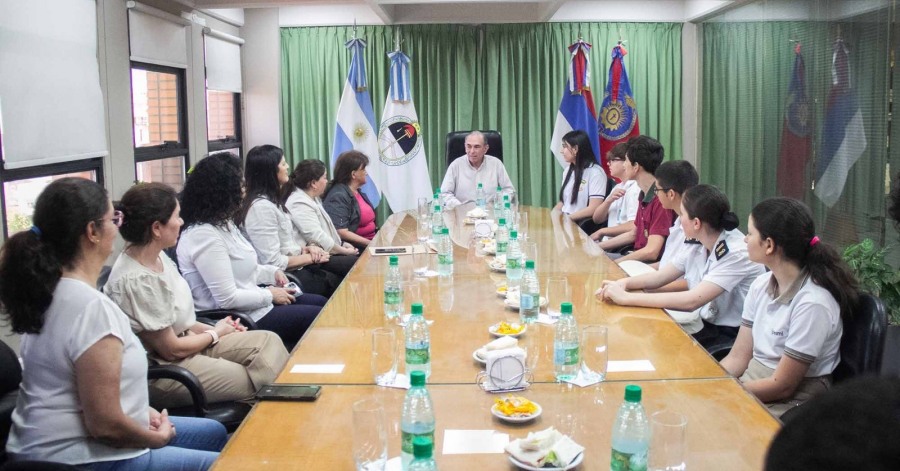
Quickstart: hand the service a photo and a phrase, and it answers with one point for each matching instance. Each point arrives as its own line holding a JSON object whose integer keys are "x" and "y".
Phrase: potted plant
{"x": 882, "y": 280}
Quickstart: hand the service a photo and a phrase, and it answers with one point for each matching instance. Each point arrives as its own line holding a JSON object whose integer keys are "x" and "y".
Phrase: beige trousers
{"x": 808, "y": 388}
{"x": 232, "y": 370}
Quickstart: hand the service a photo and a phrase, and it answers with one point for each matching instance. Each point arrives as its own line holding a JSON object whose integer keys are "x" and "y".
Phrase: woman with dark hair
{"x": 718, "y": 277}
{"x": 83, "y": 398}
{"x": 312, "y": 224}
{"x": 791, "y": 328}
{"x": 220, "y": 264}
{"x": 266, "y": 222}
{"x": 350, "y": 209}
{"x": 231, "y": 363}
{"x": 584, "y": 186}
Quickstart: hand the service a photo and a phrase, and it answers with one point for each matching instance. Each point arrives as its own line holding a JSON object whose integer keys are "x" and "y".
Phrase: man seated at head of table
{"x": 651, "y": 226}
{"x": 464, "y": 174}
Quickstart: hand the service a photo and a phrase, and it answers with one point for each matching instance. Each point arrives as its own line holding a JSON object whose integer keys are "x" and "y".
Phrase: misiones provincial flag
{"x": 576, "y": 111}
{"x": 355, "y": 118}
{"x": 843, "y": 135}
{"x": 618, "y": 112}
{"x": 796, "y": 138}
{"x": 400, "y": 167}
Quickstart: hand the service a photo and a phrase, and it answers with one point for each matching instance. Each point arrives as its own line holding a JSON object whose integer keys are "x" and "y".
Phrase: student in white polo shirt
{"x": 718, "y": 277}
{"x": 619, "y": 209}
{"x": 790, "y": 336}
{"x": 584, "y": 183}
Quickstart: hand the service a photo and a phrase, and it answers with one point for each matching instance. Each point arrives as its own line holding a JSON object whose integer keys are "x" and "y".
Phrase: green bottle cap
{"x": 479, "y": 185}
{"x": 529, "y": 264}
{"x": 437, "y": 207}
{"x": 499, "y": 188}
{"x": 505, "y": 197}
{"x": 393, "y": 260}
{"x": 502, "y": 221}
{"x": 416, "y": 309}
{"x": 417, "y": 378}
{"x": 565, "y": 308}
{"x": 513, "y": 234}
{"x": 445, "y": 230}
{"x": 506, "y": 205}
{"x": 422, "y": 447}
{"x": 633, "y": 393}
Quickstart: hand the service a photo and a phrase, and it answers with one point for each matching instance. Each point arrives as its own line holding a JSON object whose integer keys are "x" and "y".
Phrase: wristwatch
{"x": 214, "y": 335}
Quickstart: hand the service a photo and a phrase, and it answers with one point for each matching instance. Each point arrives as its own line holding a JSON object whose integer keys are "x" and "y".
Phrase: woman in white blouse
{"x": 83, "y": 399}
{"x": 584, "y": 185}
{"x": 265, "y": 220}
{"x": 231, "y": 363}
{"x": 221, "y": 266}
{"x": 790, "y": 337}
{"x": 311, "y": 223}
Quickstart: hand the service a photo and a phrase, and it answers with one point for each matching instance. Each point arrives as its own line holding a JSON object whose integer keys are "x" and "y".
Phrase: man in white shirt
{"x": 464, "y": 175}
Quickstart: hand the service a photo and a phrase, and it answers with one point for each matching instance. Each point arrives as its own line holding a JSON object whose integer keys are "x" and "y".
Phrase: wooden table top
{"x": 317, "y": 435}
{"x": 726, "y": 427}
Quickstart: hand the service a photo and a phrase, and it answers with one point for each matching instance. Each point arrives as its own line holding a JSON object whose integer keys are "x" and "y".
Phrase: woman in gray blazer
{"x": 351, "y": 211}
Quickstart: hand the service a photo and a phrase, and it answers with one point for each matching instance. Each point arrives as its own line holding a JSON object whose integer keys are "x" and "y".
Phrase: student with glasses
{"x": 619, "y": 209}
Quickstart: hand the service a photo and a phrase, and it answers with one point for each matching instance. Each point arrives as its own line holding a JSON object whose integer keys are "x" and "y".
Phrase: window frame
{"x": 11, "y": 175}
{"x": 168, "y": 149}
{"x": 236, "y": 142}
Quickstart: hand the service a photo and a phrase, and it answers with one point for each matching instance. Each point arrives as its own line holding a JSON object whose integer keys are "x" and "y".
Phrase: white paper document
{"x": 629, "y": 365}
{"x": 319, "y": 368}
{"x": 468, "y": 442}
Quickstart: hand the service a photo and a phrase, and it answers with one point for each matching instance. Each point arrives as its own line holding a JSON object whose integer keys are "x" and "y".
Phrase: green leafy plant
{"x": 875, "y": 275}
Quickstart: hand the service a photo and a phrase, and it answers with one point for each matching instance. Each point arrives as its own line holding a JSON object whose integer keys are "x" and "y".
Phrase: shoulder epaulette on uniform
{"x": 721, "y": 249}
{"x": 691, "y": 241}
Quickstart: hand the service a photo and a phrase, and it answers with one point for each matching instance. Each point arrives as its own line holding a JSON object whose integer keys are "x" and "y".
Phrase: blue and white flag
{"x": 355, "y": 118}
{"x": 843, "y": 135}
{"x": 401, "y": 168}
{"x": 576, "y": 111}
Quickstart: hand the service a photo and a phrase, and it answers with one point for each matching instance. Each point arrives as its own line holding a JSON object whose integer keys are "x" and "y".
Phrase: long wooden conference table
{"x": 727, "y": 427}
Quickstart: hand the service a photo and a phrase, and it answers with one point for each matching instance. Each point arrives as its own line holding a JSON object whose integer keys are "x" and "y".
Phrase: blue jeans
{"x": 195, "y": 447}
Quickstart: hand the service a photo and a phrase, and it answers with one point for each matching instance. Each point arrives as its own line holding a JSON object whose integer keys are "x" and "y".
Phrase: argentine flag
{"x": 843, "y": 135}
{"x": 576, "y": 111}
{"x": 356, "y": 119}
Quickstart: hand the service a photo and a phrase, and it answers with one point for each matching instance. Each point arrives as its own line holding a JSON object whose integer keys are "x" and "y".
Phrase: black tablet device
{"x": 289, "y": 392}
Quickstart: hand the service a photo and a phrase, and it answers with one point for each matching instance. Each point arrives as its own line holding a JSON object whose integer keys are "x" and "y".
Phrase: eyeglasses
{"x": 616, "y": 160}
{"x": 117, "y": 218}
{"x": 664, "y": 190}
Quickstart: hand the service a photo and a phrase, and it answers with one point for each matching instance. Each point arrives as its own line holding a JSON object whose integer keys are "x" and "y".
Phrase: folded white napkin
{"x": 533, "y": 449}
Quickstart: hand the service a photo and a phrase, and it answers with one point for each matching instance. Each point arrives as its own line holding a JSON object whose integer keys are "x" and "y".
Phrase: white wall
{"x": 261, "y": 63}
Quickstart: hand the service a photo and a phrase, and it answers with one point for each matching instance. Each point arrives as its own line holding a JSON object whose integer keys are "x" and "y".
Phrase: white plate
{"x": 478, "y": 358}
{"x": 493, "y": 330}
{"x": 497, "y": 268}
{"x": 517, "y": 420}
{"x": 577, "y": 461}
{"x": 514, "y": 303}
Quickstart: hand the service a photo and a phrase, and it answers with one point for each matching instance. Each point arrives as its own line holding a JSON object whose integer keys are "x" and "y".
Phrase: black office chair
{"x": 456, "y": 144}
{"x": 862, "y": 344}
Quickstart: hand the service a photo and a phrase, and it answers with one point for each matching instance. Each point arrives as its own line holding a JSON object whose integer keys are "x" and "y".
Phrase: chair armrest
{"x": 187, "y": 379}
{"x": 217, "y": 314}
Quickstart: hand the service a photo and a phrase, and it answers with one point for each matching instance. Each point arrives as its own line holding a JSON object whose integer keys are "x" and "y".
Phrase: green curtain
{"x": 504, "y": 77}
{"x": 746, "y": 69}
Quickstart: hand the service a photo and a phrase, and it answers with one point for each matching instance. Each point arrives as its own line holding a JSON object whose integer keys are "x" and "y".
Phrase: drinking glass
{"x": 667, "y": 442}
{"x": 558, "y": 292}
{"x": 529, "y": 251}
{"x": 424, "y": 207}
{"x": 420, "y": 260}
{"x": 531, "y": 343}
{"x": 522, "y": 225}
{"x": 423, "y": 230}
{"x": 412, "y": 293}
{"x": 369, "y": 435}
{"x": 594, "y": 352}
{"x": 384, "y": 356}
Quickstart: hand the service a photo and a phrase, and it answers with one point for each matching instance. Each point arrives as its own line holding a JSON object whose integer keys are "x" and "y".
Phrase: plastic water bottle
{"x": 437, "y": 222}
{"x": 417, "y": 419}
{"x": 498, "y": 200}
{"x": 393, "y": 296}
{"x": 422, "y": 455}
{"x": 445, "y": 253}
{"x": 418, "y": 342}
{"x": 479, "y": 197}
{"x": 514, "y": 264}
{"x": 566, "y": 359}
{"x": 631, "y": 433}
{"x": 529, "y": 295}
{"x": 507, "y": 214}
{"x": 502, "y": 237}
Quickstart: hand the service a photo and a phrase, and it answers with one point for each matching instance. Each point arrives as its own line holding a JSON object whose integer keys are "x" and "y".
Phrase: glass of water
{"x": 384, "y": 356}
{"x": 557, "y": 293}
{"x": 369, "y": 435}
{"x": 594, "y": 352}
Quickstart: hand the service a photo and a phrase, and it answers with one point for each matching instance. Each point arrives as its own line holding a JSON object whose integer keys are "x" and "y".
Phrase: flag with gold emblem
{"x": 618, "y": 112}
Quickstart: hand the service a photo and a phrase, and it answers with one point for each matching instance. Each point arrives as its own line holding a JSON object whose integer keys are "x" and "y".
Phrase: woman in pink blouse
{"x": 351, "y": 212}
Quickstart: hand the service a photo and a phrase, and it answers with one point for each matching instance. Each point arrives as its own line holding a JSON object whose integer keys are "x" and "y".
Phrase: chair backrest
{"x": 456, "y": 144}
{"x": 10, "y": 377}
{"x": 863, "y": 341}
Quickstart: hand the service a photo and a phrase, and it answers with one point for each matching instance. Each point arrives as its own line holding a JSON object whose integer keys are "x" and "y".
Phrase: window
{"x": 223, "y": 116}
{"x": 21, "y": 188}
{"x": 160, "y": 131}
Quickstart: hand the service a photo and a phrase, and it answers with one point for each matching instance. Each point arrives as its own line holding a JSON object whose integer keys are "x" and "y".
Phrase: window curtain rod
{"x": 152, "y": 11}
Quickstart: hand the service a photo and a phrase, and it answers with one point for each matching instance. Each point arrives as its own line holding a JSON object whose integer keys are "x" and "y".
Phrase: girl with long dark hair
{"x": 584, "y": 185}
{"x": 791, "y": 327}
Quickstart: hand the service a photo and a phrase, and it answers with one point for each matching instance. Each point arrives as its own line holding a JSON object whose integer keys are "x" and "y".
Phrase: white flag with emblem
{"x": 401, "y": 169}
